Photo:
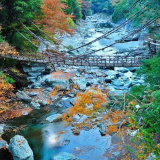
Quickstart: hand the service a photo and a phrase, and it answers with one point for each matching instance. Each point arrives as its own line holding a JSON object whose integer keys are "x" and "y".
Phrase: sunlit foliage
{"x": 54, "y": 18}
{"x": 5, "y": 92}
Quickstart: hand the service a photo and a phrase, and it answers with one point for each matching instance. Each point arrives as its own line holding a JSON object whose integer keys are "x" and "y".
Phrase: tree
{"x": 73, "y": 8}
{"x": 86, "y": 8}
{"x": 13, "y": 14}
{"x": 102, "y": 6}
{"x": 126, "y": 8}
{"x": 53, "y": 19}
{"x": 151, "y": 69}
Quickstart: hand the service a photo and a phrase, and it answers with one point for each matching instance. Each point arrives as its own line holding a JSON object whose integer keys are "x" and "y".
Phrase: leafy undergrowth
{"x": 5, "y": 92}
{"x": 5, "y": 48}
{"x": 9, "y": 108}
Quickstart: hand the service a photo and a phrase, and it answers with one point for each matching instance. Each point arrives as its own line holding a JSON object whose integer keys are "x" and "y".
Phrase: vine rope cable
{"x": 121, "y": 40}
{"x": 114, "y": 29}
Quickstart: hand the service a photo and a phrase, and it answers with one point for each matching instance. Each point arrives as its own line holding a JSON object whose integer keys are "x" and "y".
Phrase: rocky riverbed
{"x": 41, "y": 123}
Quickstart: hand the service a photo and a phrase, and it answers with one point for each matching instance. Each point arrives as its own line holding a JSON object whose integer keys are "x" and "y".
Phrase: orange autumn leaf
{"x": 53, "y": 17}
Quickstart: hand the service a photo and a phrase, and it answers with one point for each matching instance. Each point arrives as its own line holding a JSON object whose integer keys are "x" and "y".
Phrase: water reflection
{"x": 46, "y": 142}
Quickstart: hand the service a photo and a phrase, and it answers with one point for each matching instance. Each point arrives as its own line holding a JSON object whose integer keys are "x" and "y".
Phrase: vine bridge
{"x": 89, "y": 60}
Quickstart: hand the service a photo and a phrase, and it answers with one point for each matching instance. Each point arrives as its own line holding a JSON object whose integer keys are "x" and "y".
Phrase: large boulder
{"x": 54, "y": 118}
{"x": 20, "y": 148}
{"x": 122, "y": 69}
{"x": 23, "y": 96}
{"x": 62, "y": 83}
{"x": 64, "y": 102}
{"x": 81, "y": 84}
{"x": 117, "y": 82}
{"x": 104, "y": 25}
{"x": 34, "y": 67}
{"x": 65, "y": 156}
{"x": 35, "y": 105}
{"x": 3, "y": 144}
{"x": 128, "y": 74}
{"x": 112, "y": 73}
{"x": 103, "y": 129}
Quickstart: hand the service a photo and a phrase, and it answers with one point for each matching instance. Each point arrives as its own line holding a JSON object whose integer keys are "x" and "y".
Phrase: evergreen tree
{"x": 13, "y": 14}
{"x": 102, "y": 6}
{"x": 73, "y": 8}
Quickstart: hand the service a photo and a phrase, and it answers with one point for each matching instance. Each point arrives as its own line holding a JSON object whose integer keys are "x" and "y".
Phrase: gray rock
{"x": 48, "y": 70}
{"x": 128, "y": 84}
{"x": 132, "y": 69}
{"x": 108, "y": 80}
{"x": 65, "y": 156}
{"x": 31, "y": 79}
{"x": 3, "y": 144}
{"x": 35, "y": 69}
{"x": 39, "y": 78}
{"x": 2, "y": 128}
{"x": 64, "y": 102}
{"x": 35, "y": 105}
{"x": 112, "y": 72}
{"x": 34, "y": 74}
{"x": 100, "y": 74}
{"x": 32, "y": 94}
{"x": 82, "y": 119}
{"x": 134, "y": 38}
{"x": 119, "y": 92}
{"x": 36, "y": 85}
{"x": 75, "y": 131}
{"x": 128, "y": 74}
{"x": 122, "y": 69}
{"x": 23, "y": 96}
{"x": 77, "y": 149}
{"x": 20, "y": 148}
{"x": 49, "y": 89}
{"x": 75, "y": 118}
{"x": 138, "y": 82}
{"x": 81, "y": 84}
{"x": 111, "y": 77}
{"x": 54, "y": 118}
{"x": 103, "y": 129}
{"x": 124, "y": 78}
{"x": 73, "y": 100}
{"x": 117, "y": 82}
{"x": 63, "y": 84}
{"x": 42, "y": 102}
{"x": 116, "y": 92}
{"x": 120, "y": 88}
{"x": 104, "y": 25}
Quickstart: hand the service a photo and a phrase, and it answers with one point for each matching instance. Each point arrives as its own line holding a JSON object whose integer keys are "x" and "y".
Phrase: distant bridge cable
{"x": 121, "y": 40}
{"x": 139, "y": 13}
{"x": 54, "y": 40}
{"x": 135, "y": 4}
{"x": 25, "y": 37}
{"x": 39, "y": 39}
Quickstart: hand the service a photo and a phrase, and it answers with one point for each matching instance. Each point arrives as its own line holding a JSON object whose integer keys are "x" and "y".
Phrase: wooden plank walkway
{"x": 106, "y": 62}
{"x": 89, "y": 61}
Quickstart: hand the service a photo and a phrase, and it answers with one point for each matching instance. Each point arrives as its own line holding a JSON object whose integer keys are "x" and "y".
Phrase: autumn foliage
{"x": 54, "y": 20}
{"x": 5, "y": 94}
{"x": 88, "y": 103}
{"x": 5, "y": 48}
